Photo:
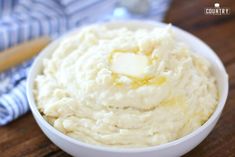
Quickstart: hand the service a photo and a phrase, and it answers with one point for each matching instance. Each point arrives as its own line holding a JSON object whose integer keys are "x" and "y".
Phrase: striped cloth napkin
{"x": 22, "y": 20}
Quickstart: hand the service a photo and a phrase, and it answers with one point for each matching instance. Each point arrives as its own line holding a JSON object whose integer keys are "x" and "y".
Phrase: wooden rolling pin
{"x": 22, "y": 52}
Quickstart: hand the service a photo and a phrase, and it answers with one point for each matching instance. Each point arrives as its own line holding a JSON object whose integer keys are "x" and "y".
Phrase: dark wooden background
{"x": 24, "y": 138}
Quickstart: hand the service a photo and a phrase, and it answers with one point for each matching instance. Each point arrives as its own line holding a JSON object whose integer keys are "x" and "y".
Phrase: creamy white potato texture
{"x": 125, "y": 88}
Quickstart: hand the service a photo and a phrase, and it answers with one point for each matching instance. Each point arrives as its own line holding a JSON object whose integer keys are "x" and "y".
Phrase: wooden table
{"x": 24, "y": 138}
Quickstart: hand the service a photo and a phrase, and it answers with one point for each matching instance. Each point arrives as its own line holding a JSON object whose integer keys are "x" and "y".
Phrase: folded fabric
{"x": 22, "y": 20}
{"x": 13, "y": 100}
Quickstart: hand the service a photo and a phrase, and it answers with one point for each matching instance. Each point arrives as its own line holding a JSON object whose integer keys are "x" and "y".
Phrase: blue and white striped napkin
{"x": 22, "y": 20}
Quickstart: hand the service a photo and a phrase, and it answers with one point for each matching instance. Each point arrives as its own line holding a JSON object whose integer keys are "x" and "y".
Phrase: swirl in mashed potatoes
{"x": 125, "y": 88}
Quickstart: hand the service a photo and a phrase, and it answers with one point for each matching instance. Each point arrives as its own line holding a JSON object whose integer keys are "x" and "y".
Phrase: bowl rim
{"x": 212, "y": 118}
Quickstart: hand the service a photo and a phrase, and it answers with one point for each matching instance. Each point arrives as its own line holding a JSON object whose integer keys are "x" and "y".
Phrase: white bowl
{"x": 174, "y": 148}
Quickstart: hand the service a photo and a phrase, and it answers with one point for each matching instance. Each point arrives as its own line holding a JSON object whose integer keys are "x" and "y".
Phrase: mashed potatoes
{"x": 125, "y": 88}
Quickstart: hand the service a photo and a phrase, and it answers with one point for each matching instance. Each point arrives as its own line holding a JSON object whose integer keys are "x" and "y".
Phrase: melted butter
{"x": 139, "y": 82}
{"x": 115, "y": 78}
{"x": 152, "y": 59}
{"x": 157, "y": 81}
{"x": 135, "y": 51}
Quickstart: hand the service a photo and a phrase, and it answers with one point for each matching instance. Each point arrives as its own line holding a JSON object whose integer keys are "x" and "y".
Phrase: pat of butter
{"x": 129, "y": 64}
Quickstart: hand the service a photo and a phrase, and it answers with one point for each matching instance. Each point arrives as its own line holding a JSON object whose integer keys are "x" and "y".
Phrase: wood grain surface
{"x": 24, "y": 138}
